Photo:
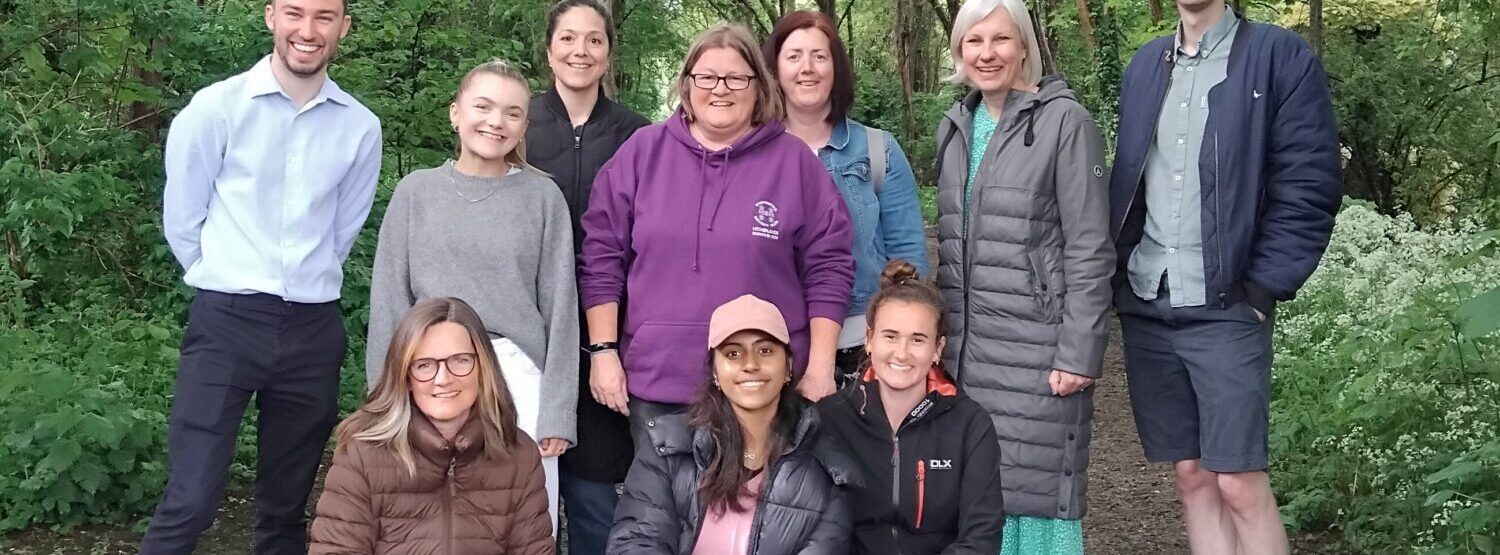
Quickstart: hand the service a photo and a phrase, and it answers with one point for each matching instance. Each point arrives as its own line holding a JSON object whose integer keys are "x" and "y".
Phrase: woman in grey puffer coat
{"x": 1025, "y": 263}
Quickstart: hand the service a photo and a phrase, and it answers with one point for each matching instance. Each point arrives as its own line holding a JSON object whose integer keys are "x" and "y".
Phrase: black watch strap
{"x": 601, "y": 347}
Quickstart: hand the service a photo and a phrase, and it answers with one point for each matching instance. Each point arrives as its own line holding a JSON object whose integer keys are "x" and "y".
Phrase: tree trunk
{"x": 1086, "y": 24}
{"x": 906, "y": 26}
{"x": 1155, "y": 11}
{"x": 830, "y": 8}
{"x": 1315, "y": 25}
{"x": 1044, "y": 42}
{"x": 143, "y": 116}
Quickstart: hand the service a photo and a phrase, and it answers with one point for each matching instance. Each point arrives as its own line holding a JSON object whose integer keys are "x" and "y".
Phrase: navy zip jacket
{"x": 1269, "y": 165}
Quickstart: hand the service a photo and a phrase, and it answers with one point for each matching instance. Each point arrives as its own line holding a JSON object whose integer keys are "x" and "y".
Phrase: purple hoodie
{"x": 679, "y": 230}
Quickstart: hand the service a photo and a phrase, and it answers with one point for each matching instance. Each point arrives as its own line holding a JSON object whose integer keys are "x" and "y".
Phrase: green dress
{"x": 1023, "y": 535}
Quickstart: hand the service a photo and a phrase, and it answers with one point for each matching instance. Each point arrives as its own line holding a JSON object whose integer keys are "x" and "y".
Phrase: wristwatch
{"x": 601, "y": 347}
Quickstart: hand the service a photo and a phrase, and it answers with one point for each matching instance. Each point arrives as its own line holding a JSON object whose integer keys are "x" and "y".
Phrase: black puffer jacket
{"x": 572, "y": 156}
{"x": 802, "y": 507}
{"x": 931, "y": 487}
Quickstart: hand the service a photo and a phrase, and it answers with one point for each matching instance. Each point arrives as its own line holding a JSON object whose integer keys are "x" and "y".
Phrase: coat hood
{"x": 1021, "y": 107}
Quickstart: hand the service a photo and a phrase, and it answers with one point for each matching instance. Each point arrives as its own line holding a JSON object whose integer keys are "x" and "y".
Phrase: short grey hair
{"x": 974, "y": 11}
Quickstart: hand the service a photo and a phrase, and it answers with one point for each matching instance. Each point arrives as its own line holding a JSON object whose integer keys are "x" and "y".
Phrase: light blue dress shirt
{"x": 1173, "y": 240}
{"x": 266, "y": 197}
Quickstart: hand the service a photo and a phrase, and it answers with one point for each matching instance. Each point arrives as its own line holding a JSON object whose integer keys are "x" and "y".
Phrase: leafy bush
{"x": 1385, "y": 416}
{"x": 83, "y": 426}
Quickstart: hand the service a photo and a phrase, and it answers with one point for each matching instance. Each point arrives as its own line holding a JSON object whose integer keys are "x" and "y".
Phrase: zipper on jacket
{"x": 1218, "y": 229}
{"x": 1155, "y": 126}
{"x": 448, "y": 506}
{"x": 760, "y": 508}
{"x": 578, "y": 162}
{"x": 896, "y": 490}
{"x": 964, "y": 265}
{"x": 921, "y": 489}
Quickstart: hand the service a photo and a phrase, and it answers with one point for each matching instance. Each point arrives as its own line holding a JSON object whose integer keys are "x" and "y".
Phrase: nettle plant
{"x": 1386, "y": 415}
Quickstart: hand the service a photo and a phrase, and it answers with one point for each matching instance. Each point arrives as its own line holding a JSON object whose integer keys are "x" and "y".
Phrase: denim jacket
{"x": 886, "y": 226}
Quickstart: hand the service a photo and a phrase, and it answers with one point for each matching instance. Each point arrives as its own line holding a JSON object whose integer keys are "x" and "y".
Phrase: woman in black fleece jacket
{"x": 928, "y": 454}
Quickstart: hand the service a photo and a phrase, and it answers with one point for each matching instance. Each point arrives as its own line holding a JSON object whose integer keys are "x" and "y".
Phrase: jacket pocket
{"x": 1042, "y": 292}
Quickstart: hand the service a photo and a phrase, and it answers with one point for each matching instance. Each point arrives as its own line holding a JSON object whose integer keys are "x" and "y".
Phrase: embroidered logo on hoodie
{"x": 765, "y": 221}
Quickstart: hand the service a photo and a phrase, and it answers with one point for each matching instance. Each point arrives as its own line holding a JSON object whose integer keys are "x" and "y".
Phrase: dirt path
{"x": 1132, "y": 505}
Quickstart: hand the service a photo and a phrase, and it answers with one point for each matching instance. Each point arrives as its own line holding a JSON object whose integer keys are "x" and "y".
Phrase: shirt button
{"x": 1181, "y": 141}
{"x": 1184, "y": 105}
{"x": 1190, "y": 68}
{"x": 1172, "y": 250}
{"x": 662, "y": 450}
{"x": 1177, "y": 178}
{"x": 650, "y": 423}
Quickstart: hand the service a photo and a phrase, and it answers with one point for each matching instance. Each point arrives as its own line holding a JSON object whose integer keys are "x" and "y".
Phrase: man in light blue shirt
{"x": 270, "y": 176}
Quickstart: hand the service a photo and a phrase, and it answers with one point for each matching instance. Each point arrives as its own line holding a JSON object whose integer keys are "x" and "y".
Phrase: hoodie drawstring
{"x": 1031, "y": 121}
{"x": 702, "y": 192}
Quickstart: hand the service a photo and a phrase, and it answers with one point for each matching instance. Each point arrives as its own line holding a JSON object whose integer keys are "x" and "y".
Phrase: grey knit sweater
{"x": 508, "y": 253}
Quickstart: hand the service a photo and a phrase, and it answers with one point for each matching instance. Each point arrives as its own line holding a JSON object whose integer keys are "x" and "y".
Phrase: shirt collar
{"x": 840, "y": 136}
{"x": 260, "y": 81}
{"x": 1215, "y": 35}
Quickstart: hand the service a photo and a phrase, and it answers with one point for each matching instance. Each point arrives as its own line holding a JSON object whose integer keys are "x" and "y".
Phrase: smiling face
{"x": 578, "y": 52}
{"x": 805, "y": 70}
{"x": 751, "y": 368}
{"x": 904, "y": 344}
{"x": 490, "y": 115}
{"x": 721, "y": 111}
{"x": 446, "y": 399}
{"x": 306, "y": 33}
{"x": 993, "y": 53}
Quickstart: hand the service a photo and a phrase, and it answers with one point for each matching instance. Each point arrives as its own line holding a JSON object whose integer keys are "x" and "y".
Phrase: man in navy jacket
{"x": 1223, "y": 195}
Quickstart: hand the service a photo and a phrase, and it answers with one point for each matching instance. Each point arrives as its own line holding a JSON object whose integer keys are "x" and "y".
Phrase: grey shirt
{"x": 1173, "y": 240}
{"x": 505, "y": 246}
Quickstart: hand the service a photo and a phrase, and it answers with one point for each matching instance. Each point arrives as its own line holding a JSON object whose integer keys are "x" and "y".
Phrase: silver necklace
{"x": 461, "y": 194}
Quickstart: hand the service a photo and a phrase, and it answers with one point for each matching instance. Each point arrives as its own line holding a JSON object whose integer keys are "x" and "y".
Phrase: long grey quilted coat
{"x": 1027, "y": 285}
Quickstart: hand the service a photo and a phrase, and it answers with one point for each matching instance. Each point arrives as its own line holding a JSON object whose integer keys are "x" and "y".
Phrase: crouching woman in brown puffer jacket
{"x": 433, "y": 462}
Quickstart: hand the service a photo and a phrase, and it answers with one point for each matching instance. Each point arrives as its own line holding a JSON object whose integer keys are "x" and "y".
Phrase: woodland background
{"x": 1387, "y": 400}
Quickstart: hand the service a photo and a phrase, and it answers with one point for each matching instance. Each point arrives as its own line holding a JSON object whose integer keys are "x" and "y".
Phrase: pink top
{"x": 729, "y": 531}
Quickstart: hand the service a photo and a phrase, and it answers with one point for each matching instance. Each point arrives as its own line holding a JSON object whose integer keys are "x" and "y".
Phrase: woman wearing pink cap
{"x": 746, "y": 465}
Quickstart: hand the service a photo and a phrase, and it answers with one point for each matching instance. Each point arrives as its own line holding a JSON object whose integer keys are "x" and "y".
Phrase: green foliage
{"x": 1385, "y": 416}
{"x": 82, "y": 429}
{"x": 1386, "y": 386}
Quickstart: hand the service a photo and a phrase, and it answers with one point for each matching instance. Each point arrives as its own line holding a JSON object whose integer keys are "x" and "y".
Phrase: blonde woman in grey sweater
{"x": 493, "y": 231}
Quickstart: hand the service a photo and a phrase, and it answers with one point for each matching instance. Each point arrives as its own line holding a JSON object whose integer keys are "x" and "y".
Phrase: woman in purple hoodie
{"x": 716, "y": 202}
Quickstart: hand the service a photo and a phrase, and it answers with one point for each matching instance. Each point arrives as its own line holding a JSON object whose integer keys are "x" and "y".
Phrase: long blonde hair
{"x": 506, "y": 70}
{"x": 385, "y": 417}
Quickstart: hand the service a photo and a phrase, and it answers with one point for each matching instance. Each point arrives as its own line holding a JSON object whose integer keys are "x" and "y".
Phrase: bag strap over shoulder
{"x": 875, "y": 142}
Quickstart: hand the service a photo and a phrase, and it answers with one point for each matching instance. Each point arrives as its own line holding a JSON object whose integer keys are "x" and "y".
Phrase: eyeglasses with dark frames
{"x": 459, "y": 365}
{"x": 709, "y": 81}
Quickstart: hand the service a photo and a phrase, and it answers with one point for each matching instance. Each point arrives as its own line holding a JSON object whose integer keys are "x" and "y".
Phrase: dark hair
{"x": 562, "y": 7}
{"x": 899, "y": 282}
{"x": 725, "y": 476}
{"x": 842, "y": 95}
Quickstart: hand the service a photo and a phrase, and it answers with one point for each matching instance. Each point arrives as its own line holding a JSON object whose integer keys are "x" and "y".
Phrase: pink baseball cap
{"x": 746, "y": 313}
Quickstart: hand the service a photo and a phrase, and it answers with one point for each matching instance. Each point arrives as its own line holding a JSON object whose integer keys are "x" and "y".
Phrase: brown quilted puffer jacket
{"x": 459, "y": 502}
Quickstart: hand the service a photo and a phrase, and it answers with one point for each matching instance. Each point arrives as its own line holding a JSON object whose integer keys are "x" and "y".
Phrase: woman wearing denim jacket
{"x": 816, "y": 77}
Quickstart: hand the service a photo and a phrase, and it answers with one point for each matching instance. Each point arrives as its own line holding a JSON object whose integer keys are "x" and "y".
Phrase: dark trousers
{"x": 590, "y": 507}
{"x": 287, "y": 355}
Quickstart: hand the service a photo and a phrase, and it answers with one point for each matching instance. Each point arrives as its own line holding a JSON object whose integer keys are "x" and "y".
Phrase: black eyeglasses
{"x": 426, "y": 369}
{"x": 709, "y": 81}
